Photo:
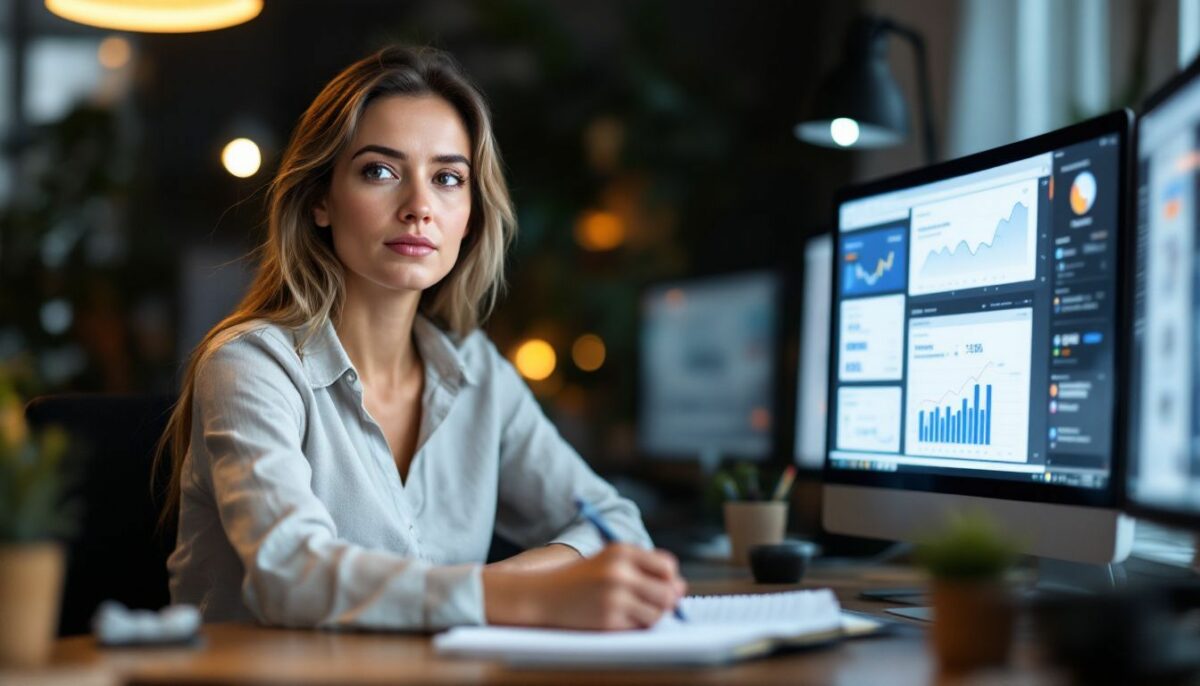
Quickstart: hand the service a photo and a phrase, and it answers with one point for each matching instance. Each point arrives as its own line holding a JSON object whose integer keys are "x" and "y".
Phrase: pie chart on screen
{"x": 1083, "y": 193}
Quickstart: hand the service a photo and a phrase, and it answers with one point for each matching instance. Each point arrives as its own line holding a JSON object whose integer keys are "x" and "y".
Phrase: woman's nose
{"x": 416, "y": 209}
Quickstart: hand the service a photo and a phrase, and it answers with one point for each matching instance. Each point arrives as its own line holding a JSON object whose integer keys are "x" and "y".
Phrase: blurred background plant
{"x": 33, "y": 477}
{"x": 741, "y": 481}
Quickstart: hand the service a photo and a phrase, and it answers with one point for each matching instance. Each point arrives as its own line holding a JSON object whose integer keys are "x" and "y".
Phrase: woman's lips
{"x": 411, "y": 246}
{"x": 410, "y": 249}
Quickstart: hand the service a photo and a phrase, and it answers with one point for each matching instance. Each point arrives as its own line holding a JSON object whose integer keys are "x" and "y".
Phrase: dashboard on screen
{"x": 974, "y": 322}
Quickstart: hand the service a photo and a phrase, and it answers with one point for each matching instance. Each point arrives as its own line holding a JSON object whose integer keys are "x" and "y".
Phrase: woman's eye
{"x": 449, "y": 179}
{"x": 377, "y": 172}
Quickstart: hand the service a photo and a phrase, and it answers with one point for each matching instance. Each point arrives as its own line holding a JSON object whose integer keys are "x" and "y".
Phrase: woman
{"x": 347, "y": 440}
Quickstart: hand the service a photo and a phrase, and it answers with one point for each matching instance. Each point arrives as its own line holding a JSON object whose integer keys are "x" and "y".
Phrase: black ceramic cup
{"x": 780, "y": 563}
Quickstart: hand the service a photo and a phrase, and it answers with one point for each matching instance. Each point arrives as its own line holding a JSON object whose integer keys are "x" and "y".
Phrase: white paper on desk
{"x": 719, "y": 629}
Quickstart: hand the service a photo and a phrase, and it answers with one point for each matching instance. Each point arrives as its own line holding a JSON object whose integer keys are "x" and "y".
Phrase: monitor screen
{"x": 974, "y": 320}
{"x": 707, "y": 367}
{"x": 1164, "y": 428}
{"x": 811, "y": 388}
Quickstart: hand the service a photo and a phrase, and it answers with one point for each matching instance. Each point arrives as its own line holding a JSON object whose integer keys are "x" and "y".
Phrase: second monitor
{"x": 707, "y": 368}
{"x": 813, "y": 359}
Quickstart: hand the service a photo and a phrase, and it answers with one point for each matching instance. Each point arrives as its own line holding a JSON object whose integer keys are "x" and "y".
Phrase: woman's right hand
{"x": 623, "y": 587}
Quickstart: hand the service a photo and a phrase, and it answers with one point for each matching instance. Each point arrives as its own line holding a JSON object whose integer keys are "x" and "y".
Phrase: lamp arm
{"x": 923, "y": 91}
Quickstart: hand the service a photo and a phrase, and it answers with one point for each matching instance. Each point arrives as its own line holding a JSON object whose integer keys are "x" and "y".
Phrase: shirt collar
{"x": 325, "y": 359}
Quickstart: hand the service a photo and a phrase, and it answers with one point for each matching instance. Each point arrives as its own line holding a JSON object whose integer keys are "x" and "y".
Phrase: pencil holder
{"x": 750, "y": 523}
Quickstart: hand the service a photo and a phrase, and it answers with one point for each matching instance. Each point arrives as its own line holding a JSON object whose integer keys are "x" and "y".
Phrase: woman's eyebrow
{"x": 452, "y": 159}
{"x": 382, "y": 150}
{"x": 399, "y": 155}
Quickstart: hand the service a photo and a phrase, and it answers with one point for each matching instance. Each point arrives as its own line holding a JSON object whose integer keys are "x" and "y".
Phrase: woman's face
{"x": 400, "y": 196}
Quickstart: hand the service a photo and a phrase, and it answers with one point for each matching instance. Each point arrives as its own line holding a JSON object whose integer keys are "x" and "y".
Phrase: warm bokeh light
{"x": 157, "y": 16}
{"x": 844, "y": 131}
{"x": 598, "y": 231}
{"x": 760, "y": 419}
{"x": 241, "y": 158}
{"x": 114, "y": 52}
{"x": 588, "y": 352}
{"x": 535, "y": 359}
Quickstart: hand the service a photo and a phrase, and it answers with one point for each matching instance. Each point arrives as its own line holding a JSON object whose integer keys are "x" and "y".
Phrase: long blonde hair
{"x": 299, "y": 282}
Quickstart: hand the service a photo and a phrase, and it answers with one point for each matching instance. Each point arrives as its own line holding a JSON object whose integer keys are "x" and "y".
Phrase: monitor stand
{"x": 1054, "y": 577}
{"x": 1061, "y": 576}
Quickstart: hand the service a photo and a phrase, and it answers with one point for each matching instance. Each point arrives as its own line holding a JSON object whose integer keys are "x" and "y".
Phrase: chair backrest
{"x": 118, "y": 552}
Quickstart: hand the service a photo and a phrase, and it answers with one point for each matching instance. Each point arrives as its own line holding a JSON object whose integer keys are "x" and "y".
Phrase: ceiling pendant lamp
{"x": 157, "y": 16}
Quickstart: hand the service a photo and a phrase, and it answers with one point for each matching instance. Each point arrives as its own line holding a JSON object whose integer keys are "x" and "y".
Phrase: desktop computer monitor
{"x": 974, "y": 346}
{"x": 813, "y": 368}
{"x": 1163, "y": 474}
{"x": 708, "y": 349}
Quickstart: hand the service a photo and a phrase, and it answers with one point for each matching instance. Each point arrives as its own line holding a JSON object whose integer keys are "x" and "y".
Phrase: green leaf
{"x": 971, "y": 547}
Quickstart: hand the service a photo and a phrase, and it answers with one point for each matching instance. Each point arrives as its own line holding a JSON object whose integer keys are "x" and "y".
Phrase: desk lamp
{"x": 859, "y": 105}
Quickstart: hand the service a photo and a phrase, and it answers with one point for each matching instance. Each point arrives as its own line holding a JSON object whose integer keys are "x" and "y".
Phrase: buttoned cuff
{"x": 454, "y": 596}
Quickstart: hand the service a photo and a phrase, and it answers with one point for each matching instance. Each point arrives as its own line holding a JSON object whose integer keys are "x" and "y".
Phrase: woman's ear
{"x": 321, "y": 214}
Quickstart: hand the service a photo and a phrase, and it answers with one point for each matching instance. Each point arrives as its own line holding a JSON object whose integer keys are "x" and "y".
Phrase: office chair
{"x": 118, "y": 552}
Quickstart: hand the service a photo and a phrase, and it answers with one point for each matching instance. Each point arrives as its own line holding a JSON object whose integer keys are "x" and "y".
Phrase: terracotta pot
{"x": 754, "y": 522}
{"x": 972, "y": 624}
{"x": 30, "y": 591}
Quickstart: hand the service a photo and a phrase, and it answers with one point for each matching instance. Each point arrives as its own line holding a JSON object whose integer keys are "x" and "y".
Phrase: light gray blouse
{"x": 293, "y": 512}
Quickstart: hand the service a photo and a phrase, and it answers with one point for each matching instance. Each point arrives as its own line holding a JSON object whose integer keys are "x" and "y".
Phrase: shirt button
{"x": 352, "y": 376}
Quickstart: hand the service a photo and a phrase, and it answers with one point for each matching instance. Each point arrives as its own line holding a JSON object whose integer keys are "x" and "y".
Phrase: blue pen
{"x": 593, "y": 515}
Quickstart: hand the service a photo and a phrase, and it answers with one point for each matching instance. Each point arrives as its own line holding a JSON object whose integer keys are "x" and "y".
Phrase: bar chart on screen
{"x": 972, "y": 425}
{"x": 968, "y": 385}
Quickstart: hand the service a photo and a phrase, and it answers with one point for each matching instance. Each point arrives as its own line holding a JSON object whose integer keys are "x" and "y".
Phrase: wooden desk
{"x": 246, "y": 654}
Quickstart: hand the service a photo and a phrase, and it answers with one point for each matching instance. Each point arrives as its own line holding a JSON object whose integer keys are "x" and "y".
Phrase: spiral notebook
{"x": 718, "y": 630}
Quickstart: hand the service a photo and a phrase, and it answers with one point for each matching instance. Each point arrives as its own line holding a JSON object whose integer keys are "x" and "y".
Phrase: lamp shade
{"x": 859, "y": 104}
{"x": 157, "y": 16}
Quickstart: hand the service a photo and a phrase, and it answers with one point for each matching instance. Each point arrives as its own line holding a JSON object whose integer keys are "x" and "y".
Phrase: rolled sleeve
{"x": 248, "y": 424}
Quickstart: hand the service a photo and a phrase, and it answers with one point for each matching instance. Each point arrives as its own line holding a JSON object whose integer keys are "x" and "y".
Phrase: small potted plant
{"x": 752, "y": 516}
{"x": 32, "y": 516}
{"x": 972, "y": 606}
